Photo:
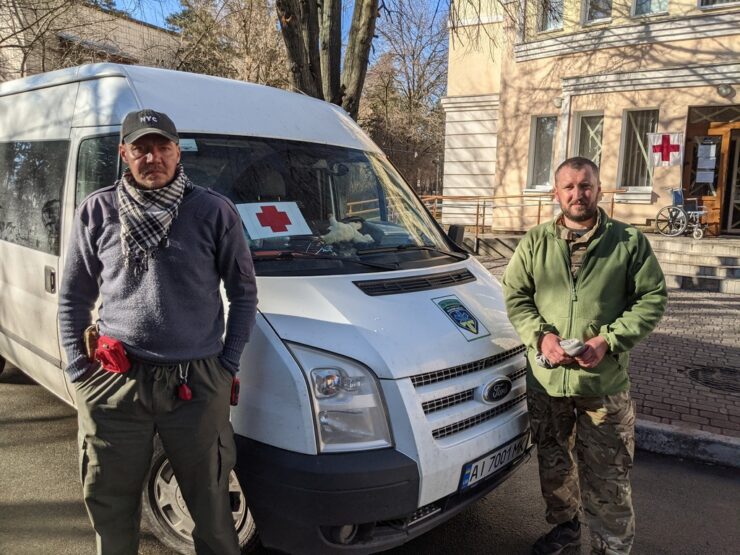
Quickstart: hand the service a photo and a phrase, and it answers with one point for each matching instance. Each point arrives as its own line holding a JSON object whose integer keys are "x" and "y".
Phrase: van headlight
{"x": 348, "y": 408}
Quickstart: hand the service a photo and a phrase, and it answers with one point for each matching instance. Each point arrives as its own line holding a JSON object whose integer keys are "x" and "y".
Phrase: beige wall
{"x": 574, "y": 16}
{"x": 475, "y": 62}
{"x": 648, "y": 72}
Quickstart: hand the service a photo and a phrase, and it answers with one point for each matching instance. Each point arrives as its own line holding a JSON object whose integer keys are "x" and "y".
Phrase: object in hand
{"x": 90, "y": 336}
{"x": 572, "y": 347}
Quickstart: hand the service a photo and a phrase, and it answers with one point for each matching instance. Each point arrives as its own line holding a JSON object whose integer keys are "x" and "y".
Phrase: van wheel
{"x": 166, "y": 515}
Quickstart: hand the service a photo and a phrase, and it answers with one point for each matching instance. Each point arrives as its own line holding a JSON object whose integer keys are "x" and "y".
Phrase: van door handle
{"x": 50, "y": 279}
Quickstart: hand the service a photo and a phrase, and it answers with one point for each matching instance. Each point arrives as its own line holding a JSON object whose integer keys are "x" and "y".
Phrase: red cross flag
{"x": 666, "y": 149}
{"x": 273, "y": 219}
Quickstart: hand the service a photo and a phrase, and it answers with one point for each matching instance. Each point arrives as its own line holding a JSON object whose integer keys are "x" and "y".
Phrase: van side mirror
{"x": 456, "y": 233}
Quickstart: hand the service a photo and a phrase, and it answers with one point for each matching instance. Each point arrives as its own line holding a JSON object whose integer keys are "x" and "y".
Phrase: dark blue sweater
{"x": 172, "y": 312}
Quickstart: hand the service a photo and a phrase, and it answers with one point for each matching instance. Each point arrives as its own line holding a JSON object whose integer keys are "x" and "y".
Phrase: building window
{"x": 540, "y": 152}
{"x": 712, "y": 3}
{"x": 551, "y": 15}
{"x": 647, "y": 7}
{"x": 589, "y": 139}
{"x": 598, "y": 9}
{"x": 636, "y": 170}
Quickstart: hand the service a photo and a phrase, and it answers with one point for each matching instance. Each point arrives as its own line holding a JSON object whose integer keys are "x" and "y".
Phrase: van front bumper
{"x": 361, "y": 502}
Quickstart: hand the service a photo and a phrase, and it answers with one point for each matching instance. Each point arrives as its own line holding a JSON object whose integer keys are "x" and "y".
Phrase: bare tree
{"x": 42, "y": 35}
{"x": 230, "y": 38}
{"x": 313, "y": 34}
{"x": 24, "y": 24}
{"x": 401, "y": 104}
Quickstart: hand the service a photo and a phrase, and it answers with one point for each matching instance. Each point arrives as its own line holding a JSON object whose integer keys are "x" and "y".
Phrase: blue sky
{"x": 151, "y": 11}
{"x": 156, "y": 11}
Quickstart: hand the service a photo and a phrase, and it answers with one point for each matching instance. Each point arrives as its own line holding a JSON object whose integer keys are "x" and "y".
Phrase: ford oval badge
{"x": 494, "y": 391}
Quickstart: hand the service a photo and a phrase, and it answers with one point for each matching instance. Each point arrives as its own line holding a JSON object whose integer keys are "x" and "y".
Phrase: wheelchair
{"x": 682, "y": 216}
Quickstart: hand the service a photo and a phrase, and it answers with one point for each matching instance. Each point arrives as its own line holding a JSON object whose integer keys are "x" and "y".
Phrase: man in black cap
{"x": 156, "y": 248}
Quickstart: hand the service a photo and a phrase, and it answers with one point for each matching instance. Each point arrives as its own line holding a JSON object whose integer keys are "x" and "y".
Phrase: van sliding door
{"x": 32, "y": 178}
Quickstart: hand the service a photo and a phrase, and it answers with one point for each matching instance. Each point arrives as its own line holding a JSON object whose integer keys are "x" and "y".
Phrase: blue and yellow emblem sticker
{"x": 466, "y": 322}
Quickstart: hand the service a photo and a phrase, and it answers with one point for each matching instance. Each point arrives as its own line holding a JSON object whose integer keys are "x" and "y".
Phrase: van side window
{"x": 31, "y": 182}
{"x": 97, "y": 165}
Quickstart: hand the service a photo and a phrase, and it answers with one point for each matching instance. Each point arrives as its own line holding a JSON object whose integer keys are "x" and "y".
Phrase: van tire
{"x": 165, "y": 515}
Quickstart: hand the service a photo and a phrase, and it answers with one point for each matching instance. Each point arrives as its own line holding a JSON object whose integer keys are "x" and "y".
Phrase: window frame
{"x": 699, "y": 5}
{"x": 530, "y": 187}
{"x": 634, "y": 14}
{"x": 585, "y": 22}
{"x": 541, "y": 17}
{"x": 623, "y": 146}
{"x": 578, "y": 116}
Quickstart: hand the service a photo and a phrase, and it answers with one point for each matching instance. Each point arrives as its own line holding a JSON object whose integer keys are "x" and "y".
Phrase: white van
{"x": 383, "y": 388}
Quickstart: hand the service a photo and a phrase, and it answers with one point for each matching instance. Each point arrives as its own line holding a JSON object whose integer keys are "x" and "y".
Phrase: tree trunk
{"x": 294, "y": 25}
{"x": 330, "y": 48}
{"x": 357, "y": 53}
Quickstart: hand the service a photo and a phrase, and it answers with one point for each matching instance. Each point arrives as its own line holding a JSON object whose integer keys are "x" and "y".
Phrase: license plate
{"x": 475, "y": 471}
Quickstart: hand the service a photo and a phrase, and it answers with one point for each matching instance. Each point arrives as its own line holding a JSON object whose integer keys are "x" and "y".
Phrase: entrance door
{"x": 732, "y": 215}
{"x": 711, "y": 164}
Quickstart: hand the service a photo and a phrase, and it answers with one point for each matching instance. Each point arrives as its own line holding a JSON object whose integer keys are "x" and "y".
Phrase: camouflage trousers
{"x": 585, "y": 450}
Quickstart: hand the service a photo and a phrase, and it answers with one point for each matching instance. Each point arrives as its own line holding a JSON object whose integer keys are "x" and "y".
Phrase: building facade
{"x": 42, "y": 36}
{"x": 549, "y": 79}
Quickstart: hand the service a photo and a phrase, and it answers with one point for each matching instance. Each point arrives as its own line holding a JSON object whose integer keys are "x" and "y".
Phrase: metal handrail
{"x": 485, "y": 205}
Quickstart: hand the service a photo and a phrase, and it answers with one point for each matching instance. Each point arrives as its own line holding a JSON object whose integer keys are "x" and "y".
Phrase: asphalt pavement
{"x": 683, "y": 507}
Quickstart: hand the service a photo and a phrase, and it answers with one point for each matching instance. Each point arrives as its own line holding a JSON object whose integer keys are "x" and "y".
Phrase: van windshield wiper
{"x": 294, "y": 255}
{"x": 397, "y": 248}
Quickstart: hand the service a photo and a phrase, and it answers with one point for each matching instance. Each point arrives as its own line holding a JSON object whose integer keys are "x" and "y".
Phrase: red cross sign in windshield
{"x": 276, "y": 220}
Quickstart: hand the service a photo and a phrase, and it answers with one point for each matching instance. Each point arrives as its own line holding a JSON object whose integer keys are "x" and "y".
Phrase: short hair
{"x": 578, "y": 163}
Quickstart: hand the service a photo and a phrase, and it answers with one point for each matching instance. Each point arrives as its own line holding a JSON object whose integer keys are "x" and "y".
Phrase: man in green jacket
{"x": 588, "y": 278}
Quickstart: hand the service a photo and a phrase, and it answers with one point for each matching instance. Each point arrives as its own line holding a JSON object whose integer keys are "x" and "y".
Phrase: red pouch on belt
{"x": 111, "y": 355}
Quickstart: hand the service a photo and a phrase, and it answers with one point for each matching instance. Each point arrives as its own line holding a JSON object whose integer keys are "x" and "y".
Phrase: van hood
{"x": 397, "y": 335}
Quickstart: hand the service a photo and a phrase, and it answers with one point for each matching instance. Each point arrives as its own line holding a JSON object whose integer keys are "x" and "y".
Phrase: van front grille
{"x": 462, "y": 397}
{"x": 470, "y": 367}
{"x": 445, "y": 431}
{"x": 449, "y": 401}
{"x": 377, "y": 287}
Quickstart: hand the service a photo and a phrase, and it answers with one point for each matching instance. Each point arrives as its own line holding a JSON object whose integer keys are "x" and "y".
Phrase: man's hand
{"x": 594, "y": 352}
{"x": 554, "y": 353}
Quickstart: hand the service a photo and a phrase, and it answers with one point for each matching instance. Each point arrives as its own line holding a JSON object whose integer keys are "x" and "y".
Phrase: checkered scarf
{"x": 147, "y": 216}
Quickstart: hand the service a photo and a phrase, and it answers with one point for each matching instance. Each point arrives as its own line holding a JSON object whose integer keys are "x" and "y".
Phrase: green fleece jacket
{"x": 620, "y": 294}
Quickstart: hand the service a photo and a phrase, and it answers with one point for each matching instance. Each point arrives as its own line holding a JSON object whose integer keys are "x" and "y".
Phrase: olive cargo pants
{"x": 602, "y": 431}
{"x": 118, "y": 415}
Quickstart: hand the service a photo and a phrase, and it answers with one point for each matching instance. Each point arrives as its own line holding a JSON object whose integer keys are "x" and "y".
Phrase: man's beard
{"x": 588, "y": 213}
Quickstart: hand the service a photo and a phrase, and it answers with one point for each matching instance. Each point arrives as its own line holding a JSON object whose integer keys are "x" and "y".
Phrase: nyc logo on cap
{"x": 148, "y": 119}
{"x": 466, "y": 322}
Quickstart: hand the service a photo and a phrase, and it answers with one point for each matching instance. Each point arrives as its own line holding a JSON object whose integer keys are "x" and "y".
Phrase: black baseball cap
{"x": 145, "y": 122}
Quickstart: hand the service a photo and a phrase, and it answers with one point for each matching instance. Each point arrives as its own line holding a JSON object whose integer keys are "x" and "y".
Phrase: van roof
{"x": 197, "y": 103}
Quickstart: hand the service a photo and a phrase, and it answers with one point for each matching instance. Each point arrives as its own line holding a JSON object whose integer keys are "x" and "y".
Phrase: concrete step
{"x": 679, "y": 257}
{"x": 703, "y": 283}
{"x": 720, "y": 271}
{"x": 714, "y": 246}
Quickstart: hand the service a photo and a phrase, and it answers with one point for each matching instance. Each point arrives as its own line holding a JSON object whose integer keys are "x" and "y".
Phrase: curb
{"x": 697, "y": 445}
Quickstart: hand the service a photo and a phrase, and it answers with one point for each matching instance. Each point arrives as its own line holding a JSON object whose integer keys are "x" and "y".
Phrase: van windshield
{"x": 317, "y": 209}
